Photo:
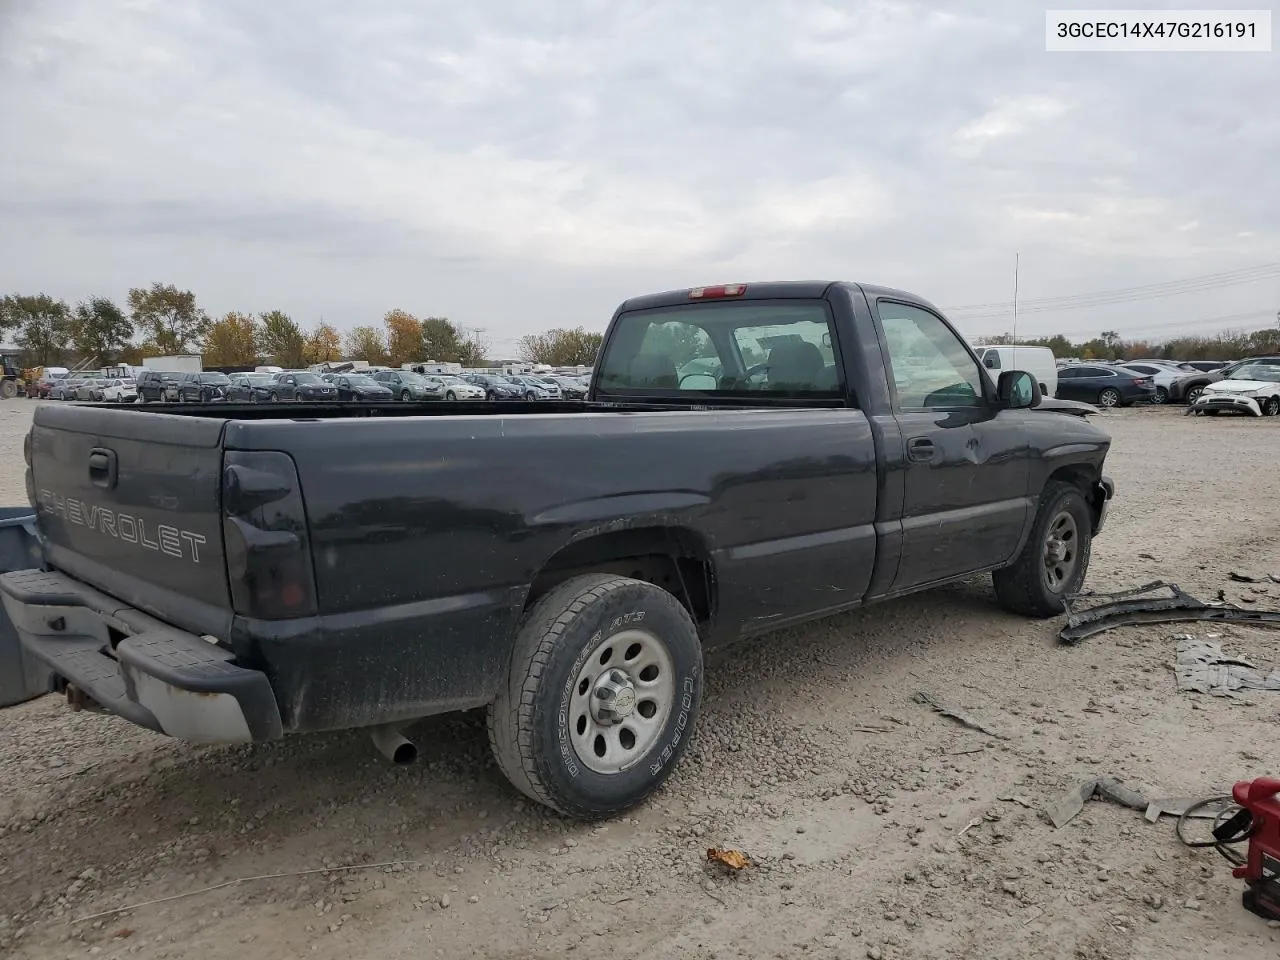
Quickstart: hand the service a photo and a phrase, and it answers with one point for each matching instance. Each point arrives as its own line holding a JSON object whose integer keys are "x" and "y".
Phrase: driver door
{"x": 964, "y": 461}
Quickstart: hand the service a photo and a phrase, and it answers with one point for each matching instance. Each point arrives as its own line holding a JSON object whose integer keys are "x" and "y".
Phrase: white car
{"x": 1254, "y": 389}
{"x": 1162, "y": 374}
{"x": 122, "y": 390}
{"x": 455, "y": 388}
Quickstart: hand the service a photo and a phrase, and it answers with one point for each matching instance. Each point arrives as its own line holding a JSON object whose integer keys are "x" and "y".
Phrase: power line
{"x": 1121, "y": 295}
{"x": 1245, "y": 317}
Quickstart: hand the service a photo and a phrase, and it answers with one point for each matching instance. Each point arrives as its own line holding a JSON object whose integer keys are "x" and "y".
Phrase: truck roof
{"x": 774, "y": 290}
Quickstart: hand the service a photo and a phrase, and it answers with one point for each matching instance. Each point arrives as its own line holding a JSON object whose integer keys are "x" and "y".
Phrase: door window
{"x": 991, "y": 359}
{"x": 931, "y": 366}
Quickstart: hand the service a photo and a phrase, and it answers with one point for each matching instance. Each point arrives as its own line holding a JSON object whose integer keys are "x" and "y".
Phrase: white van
{"x": 1037, "y": 361}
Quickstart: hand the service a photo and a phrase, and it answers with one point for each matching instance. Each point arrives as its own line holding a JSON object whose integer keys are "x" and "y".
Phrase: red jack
{"x": 1261, "y": 869}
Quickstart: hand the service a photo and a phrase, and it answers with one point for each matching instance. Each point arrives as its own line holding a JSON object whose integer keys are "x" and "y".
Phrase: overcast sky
{"x": 516, "y": 164}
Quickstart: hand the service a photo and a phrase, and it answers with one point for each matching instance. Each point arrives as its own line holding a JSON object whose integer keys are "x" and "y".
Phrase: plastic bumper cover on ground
{"x": 137, "y": 667}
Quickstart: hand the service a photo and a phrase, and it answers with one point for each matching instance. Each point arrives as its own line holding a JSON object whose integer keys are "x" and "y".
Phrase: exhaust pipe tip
{"x": 393, "y": 745}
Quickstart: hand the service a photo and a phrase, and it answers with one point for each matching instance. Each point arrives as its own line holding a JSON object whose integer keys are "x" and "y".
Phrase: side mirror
{"x": 1018, "y": 390}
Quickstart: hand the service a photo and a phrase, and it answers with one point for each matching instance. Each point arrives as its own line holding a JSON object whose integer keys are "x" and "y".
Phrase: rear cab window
{"x": 753, "y": 349}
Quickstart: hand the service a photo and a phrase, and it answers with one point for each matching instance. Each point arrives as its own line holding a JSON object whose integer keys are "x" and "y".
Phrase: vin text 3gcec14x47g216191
{"x": 748, "y": 457}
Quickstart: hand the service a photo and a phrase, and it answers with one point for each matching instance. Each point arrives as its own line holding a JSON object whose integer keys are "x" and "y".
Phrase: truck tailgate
{"x": 130, "y": 503}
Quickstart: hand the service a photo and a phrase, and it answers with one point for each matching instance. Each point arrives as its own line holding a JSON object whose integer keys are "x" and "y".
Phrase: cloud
{"x": 522, "y": 164}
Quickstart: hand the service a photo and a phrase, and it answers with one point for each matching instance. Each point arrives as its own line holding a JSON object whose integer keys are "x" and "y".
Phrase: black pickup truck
{"x": 749, "y": 457}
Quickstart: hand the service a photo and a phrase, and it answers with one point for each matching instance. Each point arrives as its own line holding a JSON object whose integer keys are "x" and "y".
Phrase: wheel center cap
{"x": 1055, "y": 551}
{"x": 614, "y": 698}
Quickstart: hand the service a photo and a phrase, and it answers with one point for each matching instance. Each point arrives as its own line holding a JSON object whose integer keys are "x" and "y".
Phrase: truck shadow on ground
{"x": 203, "y": 815}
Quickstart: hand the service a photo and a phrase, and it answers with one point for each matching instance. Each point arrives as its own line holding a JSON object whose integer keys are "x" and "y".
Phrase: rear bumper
{"x": 136, "y": 667}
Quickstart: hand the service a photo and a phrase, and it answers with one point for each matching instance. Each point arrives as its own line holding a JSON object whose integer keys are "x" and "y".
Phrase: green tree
{"x": 41, "y": 325}
{"x": 100, "y": 330}
{"x": 366, "y": 343}
{"x": 232, "y": 342}
{"x": 440, "y": 340}
{"x": 168, "y": 317}
{"x": 281, "y": 339}
{"x": 564, "y": 347}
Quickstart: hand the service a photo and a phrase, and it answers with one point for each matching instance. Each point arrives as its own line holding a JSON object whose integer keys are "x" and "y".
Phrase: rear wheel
{"x": 1109, "y": 398}
{"x": 601, "y": 697}
{"x": 1162, "y": 395}
{"x": 1055, "y": 559}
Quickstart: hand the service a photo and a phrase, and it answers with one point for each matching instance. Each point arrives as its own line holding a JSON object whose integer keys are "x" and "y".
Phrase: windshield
{"x": 415, "y": 378}
{"x": 218, "y": 378}
{"x": 260, "y": 379}
{"x": 1258, "y": 371}
{"x": 307, "y": 379}
{"x": 362, "y": 381}
{"x": 727, "y": 348}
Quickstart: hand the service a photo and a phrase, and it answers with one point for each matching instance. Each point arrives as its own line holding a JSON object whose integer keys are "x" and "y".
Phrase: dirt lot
{"x": 881, "y": 829}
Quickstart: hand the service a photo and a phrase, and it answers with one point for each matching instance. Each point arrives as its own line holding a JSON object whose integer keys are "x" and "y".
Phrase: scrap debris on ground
{"x": 1203, "y": 667}
{"x": 959, "y": 715}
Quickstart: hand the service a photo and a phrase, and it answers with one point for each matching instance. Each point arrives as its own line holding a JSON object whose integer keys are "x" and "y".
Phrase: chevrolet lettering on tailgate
{"x": 161, "y": 537}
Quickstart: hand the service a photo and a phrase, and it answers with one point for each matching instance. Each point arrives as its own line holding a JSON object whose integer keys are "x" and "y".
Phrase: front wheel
{"x": 601, "y": 696}
{"x": 451, "y": 396}
{"x": 1270, "y": 406}
{"x": 1193, "y": 394}
{"x": 530, "y": 396}
{"x": 1055, "y": 559}
{"x": 1109, "y": 398}
{"x": 405, "y": 396}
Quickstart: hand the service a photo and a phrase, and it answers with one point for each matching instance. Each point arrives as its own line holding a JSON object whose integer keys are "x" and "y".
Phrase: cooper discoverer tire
{"x": 601, "y": 698}
{"x": 1055, "y": 558}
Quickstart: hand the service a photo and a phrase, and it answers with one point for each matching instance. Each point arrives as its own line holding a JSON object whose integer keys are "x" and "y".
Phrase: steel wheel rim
{"x": 621, "y": 700}
{"x": 1061, "y": 550}
{"x": 1109, "y": 398}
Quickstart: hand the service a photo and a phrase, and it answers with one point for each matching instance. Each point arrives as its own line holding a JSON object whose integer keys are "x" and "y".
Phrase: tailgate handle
{"x": 103, "y": 468}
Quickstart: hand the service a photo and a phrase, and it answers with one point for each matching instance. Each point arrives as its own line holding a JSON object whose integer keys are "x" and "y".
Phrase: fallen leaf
{"x": 123, "y": 933}
{"x": 733, "y": 859}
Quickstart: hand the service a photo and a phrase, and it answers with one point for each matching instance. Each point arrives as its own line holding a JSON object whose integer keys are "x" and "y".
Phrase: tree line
{"x": 1227, "y": 345}
{"x": 162, "y": 320}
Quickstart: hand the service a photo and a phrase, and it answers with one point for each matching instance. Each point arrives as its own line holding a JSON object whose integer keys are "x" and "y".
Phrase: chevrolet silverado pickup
{"x": 748, "y": 457}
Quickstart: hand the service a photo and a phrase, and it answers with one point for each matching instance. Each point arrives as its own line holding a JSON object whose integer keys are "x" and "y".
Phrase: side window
{"x": 931, "y": 365}
{"x": 991, "y": 359}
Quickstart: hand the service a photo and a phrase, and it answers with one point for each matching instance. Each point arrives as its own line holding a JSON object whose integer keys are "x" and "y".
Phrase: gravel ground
{"x": 878, "y": 828}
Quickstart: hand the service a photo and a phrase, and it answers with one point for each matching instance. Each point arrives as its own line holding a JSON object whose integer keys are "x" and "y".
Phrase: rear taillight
{"x": 265, "y": 530}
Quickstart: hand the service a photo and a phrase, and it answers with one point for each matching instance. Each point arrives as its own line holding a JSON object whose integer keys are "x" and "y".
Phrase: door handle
{"x": 920, "y": 449}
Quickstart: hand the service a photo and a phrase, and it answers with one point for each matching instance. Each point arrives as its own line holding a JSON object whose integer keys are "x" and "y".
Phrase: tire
{"x": 1032, "y": 586}
{"x": 451, "y": 396}
{"x": 406, "y": 396}
{"x": 274, "y": 397}
{"x": 1109, "y": 398}
{"x": 542, "y": 730}
{"x": 1193, "y": 394}
{"x": 8, "y": 389}
{"x": 530, "y": 396}
{"x": 1270, "y": 407}
{"x": 491, "y": 395}
{"x": 1162, "y": 395}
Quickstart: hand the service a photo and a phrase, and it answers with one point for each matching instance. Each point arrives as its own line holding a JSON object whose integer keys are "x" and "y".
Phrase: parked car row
{"x": 1124, "y": 382}
{"x": 163, "y": 386}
